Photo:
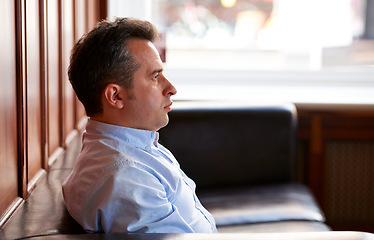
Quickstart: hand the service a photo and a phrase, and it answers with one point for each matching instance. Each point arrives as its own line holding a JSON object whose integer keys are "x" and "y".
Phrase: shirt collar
{"x": 138, "y": 138}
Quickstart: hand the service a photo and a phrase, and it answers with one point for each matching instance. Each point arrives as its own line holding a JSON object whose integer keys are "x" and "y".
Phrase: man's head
{"x": 108, "y": 71}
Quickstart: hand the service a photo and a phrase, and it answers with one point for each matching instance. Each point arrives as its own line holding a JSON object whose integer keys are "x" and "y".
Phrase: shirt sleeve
{"x": 134, "y": 200}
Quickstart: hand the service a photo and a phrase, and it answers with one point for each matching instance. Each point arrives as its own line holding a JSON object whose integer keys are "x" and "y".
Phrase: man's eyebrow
{"x": 157, "y": 71}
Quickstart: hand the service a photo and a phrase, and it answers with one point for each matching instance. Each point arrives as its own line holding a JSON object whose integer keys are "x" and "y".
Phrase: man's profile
{"x": 124, "y": 180}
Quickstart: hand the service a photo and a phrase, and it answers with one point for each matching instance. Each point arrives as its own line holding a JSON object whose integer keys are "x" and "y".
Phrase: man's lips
{"x": 168, "y": 106}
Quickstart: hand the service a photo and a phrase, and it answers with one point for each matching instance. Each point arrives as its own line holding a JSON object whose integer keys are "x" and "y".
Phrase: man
{"x": 124, "y": 180}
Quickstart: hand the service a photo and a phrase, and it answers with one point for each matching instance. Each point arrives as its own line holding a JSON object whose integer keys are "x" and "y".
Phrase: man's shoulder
{"x": 105, "y": 162}
{"x": 102, "y": 158}
{"x": 92, "y": 170}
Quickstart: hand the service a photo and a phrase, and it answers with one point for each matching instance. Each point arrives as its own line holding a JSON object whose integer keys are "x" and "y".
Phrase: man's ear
{"x": 114, "y": 96}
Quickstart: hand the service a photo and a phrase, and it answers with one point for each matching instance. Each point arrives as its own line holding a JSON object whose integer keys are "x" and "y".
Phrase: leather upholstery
{"x": 44, "y": 216}
{"x": 243, "y": 161}
{"x": 269, "y": 203}
{"x": 233, "y": 146}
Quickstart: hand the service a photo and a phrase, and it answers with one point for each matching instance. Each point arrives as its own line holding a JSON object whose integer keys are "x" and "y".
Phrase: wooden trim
{"x": 10, "y": 210}
{"x": 70, "y": 137}
{"x": 87, "y": 18}
{"x": 21, "y": 96}
{"x": 43, "y": 81}
{"x": 75, "y": 113}
{"x": 339, "y": 124}
{"x": 55, "y": 155}
{"x": 60, "y": 76}
{"x": 35, "y": 180}
{"x": 316, "y": 159}
{"x": 82, "y": 124}
{"x": 103, "y": 9}
{"x": 317, "y": 126}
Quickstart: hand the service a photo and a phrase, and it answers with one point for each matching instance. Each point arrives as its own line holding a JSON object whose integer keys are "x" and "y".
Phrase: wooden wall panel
{"x": 81, "y": 27}
{"x": 80, "y": 19}
{"x": 8, "y": 106}
{"x": 67, "y": 44}
{"x": 338, "y": 157}
{"x": 53, "y": 77}
{"x": 93, "y": 16}
{"x": 39, "y": 111}
{"x": 34, "y": 94}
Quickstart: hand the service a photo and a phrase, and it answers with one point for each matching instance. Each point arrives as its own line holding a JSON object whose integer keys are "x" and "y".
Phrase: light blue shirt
{"x": 125, "y": 181}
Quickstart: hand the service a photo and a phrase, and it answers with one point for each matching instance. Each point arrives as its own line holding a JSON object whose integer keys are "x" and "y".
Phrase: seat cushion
{"x": 267, "y": 203}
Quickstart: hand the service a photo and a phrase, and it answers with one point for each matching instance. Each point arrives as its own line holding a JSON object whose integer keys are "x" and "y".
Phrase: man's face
{"x": 149, "y": 100}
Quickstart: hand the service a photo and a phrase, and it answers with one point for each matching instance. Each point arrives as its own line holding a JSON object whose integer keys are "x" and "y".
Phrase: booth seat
{"x": 242, "y": 158}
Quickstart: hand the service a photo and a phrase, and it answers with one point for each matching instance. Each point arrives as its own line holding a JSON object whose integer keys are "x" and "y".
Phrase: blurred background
{"x": 259, "y": 34}
{"x": 301, "y": 47}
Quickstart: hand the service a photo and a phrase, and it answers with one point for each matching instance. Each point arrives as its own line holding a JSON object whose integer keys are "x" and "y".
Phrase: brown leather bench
{"x": 243, "y": 160}
{"x": 44, "y": 216}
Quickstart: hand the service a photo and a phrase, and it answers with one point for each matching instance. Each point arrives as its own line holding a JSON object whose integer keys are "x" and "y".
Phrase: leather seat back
{"x": 233, "y": 146}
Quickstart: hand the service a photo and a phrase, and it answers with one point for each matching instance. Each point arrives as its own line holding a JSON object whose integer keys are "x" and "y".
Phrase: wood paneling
{"x": 93, "y": 16}
{"x": 38, "y": 107}
{"x": 53, "y": 77}
{"x": 81, "y": 27}
{"x": 324, "y": 130}
{"x": 67, "y": 44}
{"x": 8, "y": 107}
{"x": 21, "y": 86}
{"x": 33, "y": 89}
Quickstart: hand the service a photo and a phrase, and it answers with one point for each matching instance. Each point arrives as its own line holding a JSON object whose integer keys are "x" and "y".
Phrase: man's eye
{"x": 156, "y": 77}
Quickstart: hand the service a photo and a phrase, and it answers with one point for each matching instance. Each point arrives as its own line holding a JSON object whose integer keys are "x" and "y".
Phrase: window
{"x": 240, "y": 44}
{"x": 263, "y": 34}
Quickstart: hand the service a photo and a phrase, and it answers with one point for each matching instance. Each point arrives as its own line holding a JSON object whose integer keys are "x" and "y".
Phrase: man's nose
{"x": 169, "y": 88}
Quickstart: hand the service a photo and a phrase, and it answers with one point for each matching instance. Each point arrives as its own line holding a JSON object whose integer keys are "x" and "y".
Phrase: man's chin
{"x": 165, "y": 123}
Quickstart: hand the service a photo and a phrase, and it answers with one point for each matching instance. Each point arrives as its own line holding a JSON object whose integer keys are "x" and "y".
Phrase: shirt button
{"x": 147, "y": 148}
